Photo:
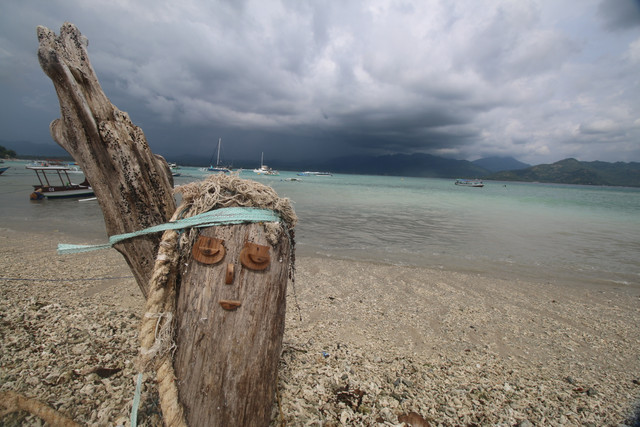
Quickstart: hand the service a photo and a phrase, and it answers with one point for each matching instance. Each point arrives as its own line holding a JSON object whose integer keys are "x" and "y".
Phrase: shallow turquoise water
{"x": 555, "y": 233}
{"x": 547, "y": 232}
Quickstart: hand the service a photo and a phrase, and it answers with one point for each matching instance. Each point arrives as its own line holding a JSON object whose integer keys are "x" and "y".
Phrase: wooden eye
{"x": 208, "y": 250}
{"x": 254, "y": 256}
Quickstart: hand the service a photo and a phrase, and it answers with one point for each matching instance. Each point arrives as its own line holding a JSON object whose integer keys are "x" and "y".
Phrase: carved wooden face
{"x": 211, "y": 251}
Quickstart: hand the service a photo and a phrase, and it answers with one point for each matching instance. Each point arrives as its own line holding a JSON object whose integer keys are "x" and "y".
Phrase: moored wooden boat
{"x": 52, "y": 189}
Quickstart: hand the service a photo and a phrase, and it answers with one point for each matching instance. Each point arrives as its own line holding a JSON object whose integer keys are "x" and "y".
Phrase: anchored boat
{"x": 49, "y": 176}
{"x": 469, "y": 182}
{"x": 309, "y": 173}
{"x": 173, "y": 167}
{"x": 264, "y": 169}
{"x": 218, "y": 167}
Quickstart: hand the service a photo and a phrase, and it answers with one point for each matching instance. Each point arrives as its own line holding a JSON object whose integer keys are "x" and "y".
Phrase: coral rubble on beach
{"x": 364, "y": 344}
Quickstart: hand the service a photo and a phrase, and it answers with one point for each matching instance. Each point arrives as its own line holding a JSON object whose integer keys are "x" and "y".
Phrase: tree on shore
{"x": 7, "y": 154}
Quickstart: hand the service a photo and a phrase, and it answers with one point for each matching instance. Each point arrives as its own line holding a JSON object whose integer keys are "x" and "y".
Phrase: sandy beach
{"x": 365, "y": 344}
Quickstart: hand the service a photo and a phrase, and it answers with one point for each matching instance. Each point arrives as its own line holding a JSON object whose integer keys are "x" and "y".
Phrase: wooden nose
{"x": 228, "y": 278}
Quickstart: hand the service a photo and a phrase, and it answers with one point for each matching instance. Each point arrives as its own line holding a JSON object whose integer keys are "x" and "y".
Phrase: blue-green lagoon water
{"x": 545, "y": 232}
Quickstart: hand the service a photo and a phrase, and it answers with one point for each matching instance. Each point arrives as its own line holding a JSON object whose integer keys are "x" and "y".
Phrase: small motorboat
{"x": 469, "y": 182}
{"x": 52, "y": 189}
{"x": 309, "y": 173}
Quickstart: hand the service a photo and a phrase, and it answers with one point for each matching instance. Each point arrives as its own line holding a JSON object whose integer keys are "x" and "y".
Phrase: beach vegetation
{"x": 572, "y": 171}
{"x": 6, "y": 153}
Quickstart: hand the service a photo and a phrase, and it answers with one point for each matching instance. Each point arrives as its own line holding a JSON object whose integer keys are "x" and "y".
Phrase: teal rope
{"x": 136, "y": 401}
{"x": 224, "y": 216}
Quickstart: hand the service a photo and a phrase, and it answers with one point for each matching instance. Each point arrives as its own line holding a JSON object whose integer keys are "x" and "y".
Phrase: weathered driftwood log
{"x": 133, "y": 187}
{"x": 230, "y": 285}
{"x": 229, "y": 335}
{"x": 229, "y": 314}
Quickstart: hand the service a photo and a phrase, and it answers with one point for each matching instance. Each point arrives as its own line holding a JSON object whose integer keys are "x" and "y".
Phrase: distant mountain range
{"x": 420, "y": 165}
{"x": 567, "y": 171}
{"x": 498, "y": 164}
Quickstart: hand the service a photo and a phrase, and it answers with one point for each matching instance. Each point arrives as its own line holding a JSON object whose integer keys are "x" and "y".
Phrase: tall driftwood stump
{"x": 132, "y": 185}
{"x": 229, "y": 332}
{"x": 226, "y": 285}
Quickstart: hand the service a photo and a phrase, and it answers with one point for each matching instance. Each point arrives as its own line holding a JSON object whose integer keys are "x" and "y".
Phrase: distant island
{"x": 572, "y": 171}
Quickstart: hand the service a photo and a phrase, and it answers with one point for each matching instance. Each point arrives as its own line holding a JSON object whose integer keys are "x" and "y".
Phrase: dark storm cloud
{"x": 620, "y": 14}
{"x": 538, "y": 80}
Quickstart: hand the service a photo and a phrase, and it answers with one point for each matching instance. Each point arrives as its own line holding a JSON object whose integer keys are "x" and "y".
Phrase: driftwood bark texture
{"x": 133, "y": 187}
{"x": 227, "y": 355}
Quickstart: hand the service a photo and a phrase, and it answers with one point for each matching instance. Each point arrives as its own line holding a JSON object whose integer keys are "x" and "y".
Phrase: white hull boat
{"x": 469, "y": 183}
{"x": 60, "y": 188}
{"x": 264, "y": 169}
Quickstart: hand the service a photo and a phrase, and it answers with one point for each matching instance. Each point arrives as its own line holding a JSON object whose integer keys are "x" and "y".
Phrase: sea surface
{"x": 553, "y": 233}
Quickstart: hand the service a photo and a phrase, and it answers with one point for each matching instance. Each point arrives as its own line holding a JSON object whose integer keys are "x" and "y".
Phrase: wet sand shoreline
{"x": 364, "y": 344}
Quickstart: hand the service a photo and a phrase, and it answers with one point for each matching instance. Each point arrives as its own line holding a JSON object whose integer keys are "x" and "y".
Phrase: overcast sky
{"x": 539, "y": 80}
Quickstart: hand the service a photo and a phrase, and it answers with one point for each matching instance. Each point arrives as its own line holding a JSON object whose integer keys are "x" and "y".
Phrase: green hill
{"x": 572, "y": 171}
{"x": 6, "y": 154}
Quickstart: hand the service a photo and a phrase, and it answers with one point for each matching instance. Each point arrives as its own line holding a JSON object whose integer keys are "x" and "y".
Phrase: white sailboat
{"x": 264, "y": 169}
{"x": 218, "y": 167}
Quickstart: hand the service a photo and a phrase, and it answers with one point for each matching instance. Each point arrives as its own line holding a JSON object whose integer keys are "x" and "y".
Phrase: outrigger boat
{"x": 66, "y": 189}
{"x": 3, "y": 170}
{"x": 469, "y": 182}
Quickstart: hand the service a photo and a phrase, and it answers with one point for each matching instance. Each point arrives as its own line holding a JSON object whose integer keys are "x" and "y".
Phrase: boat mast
{"x": 218, "y": 159}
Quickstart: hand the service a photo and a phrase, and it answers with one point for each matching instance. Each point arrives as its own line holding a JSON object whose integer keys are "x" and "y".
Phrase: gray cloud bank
{"x": 537, "y": 80}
